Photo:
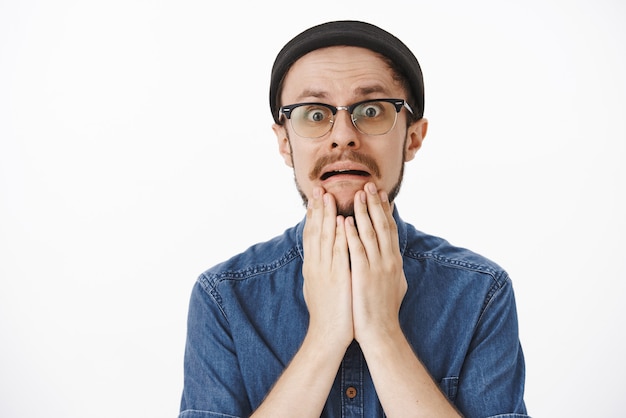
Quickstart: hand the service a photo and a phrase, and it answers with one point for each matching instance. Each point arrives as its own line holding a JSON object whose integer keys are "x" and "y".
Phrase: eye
{"x": 370, "y": 110}
{"x": 315, "y": 114}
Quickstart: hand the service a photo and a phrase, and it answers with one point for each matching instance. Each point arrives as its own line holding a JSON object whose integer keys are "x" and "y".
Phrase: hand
{"x": 326, "y": 271}
{"x": 378, "y": 280}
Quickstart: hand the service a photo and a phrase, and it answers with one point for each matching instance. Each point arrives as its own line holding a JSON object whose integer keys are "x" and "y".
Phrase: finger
{"x": 358, "y": 256}
{"x": 381, "y": 217}
{"x": 328, "y": 228}
{"x": 341, "y": 257}
{"x": 363, "y": 221}
{"x": 313, "y": 225}
{"x": 393, "y": 227}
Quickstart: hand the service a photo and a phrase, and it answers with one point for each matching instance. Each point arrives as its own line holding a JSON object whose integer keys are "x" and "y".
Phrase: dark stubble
{"x": 348, "y": 208}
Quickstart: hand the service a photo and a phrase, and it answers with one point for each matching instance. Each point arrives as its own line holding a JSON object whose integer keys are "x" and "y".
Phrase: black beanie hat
{"x": 349, "y": 33}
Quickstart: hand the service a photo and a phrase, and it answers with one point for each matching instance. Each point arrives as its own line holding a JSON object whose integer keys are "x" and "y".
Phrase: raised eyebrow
{"x": 317, "y": 94}
{"x": 322, "y": 95}
{"x": 366, "y": 90}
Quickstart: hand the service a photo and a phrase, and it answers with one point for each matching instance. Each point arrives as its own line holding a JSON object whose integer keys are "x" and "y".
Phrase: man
{"x": 352, "y": 312}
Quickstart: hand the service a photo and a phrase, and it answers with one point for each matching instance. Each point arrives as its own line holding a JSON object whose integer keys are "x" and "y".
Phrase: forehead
{"x": 340, "y": 71}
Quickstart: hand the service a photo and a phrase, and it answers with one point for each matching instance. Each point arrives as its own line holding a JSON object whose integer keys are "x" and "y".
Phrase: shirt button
{"x": 351, "y": 392}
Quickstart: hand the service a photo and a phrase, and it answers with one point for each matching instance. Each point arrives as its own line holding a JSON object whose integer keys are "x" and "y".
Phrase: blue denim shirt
{"x": 247, "y": 318}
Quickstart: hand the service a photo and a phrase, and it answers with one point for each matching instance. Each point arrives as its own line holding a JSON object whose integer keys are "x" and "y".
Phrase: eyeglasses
{"x": 370, "y": 117}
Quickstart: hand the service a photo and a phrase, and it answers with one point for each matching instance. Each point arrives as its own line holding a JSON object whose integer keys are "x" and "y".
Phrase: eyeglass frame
{"x": 397, "y": 103}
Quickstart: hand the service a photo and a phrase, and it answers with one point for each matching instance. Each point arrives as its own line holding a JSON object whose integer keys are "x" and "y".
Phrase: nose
{"x": 343, "y": 133}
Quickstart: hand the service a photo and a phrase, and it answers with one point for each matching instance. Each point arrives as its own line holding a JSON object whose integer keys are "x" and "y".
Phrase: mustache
{"x": 354, "y": 156}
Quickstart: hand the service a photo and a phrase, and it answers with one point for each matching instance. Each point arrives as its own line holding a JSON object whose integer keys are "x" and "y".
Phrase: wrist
{"x": 326, "y": 341}
{"x": 381, "y": 338}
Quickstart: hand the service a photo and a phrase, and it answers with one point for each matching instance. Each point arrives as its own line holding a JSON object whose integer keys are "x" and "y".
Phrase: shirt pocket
{"x": 449, "y": 386}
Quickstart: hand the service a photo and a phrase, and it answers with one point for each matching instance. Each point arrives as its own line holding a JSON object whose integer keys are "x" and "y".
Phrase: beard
{"x": 347, "y": 209}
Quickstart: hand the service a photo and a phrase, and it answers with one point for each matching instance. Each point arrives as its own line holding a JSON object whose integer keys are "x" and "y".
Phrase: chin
{"x": 345, "y": 209}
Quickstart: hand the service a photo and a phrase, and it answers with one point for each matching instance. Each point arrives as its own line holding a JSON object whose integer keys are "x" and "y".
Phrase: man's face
{"x": 344, "y": 159}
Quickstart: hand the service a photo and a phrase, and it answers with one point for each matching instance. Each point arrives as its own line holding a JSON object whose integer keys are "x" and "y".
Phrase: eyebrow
{"x": 318, "y": 94}
{"x": 374, "y": 88}
{"x": 361, "y": 91}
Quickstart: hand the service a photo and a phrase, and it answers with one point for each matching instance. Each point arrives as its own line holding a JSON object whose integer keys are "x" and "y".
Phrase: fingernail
{"x": 362, "y": 197}
{"x": 371, "y": 187}
{"x": 326, "y": 199}
{"x": 383, "y": 196}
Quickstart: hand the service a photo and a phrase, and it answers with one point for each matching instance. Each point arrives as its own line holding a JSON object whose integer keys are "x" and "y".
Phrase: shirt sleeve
{"x": 213, "y": 383}
{"x": 492, "y": 379}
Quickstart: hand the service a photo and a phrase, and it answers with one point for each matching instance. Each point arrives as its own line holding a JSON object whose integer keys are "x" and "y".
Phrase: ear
{"x": 415, "y": 136}
{"x": 284, "y": 147}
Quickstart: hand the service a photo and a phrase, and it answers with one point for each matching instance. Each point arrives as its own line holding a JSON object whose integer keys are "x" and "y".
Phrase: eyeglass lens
{"x": 371, "y": 118}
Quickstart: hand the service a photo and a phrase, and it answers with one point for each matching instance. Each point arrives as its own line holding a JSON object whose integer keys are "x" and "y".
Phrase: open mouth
{"x": 330, "y": 174}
